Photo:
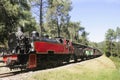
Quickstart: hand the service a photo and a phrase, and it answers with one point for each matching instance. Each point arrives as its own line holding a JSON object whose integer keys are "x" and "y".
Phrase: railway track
{"x": 2, "y": 75}
{"x": 8, "y": 74}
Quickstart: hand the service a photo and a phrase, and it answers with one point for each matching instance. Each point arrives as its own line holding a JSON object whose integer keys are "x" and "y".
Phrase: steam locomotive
{"x": 31, "y": 52}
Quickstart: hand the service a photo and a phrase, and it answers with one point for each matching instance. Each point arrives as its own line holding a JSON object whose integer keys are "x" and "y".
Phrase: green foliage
{"x": 84, "y": 37}
{"x": 108, "y": 54}
{"x": 112, "y": 42}
{"x": 25, "y": 17}
{"x": 57, "y": 20}
{"x": 101, "y": 46}
{"x": 118, "y": 33}
{"x": 116, "y": 60}
{"x": 8, "y": 15}
{"x": 58, "y": 17}
{"x": 15, "y": 13}
{"x": 110, "y": 35}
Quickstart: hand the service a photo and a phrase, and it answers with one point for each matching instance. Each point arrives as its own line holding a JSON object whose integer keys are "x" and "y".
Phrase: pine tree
{"x": 58, "y": 16}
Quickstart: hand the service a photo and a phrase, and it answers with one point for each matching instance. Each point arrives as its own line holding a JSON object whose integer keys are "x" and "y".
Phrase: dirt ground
{"x": 94, "y": 64}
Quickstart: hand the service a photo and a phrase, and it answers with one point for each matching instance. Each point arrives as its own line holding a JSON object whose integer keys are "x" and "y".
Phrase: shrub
{"x": 108, "y": 54}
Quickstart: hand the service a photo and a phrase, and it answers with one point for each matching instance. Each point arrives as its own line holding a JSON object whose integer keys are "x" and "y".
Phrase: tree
{"x": 15, "y": 13}
{"x": 110, "y": 38}
{"x": 118, "y": 40}
{"x": 75, "y": 31}
{"x": 25, "y": 17}
{"x": 56, "y": 20}
{"x": 58, "y": 16}
{"x": 110, "y": 35}
{"x": 8, "y": 15}
{"x": 84, "y": 38}
{"x": 39, "y": 8}
{"x": 118, "y": 33}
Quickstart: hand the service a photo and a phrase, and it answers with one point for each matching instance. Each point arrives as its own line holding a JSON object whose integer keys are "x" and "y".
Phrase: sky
{"x": 97, "y": 16}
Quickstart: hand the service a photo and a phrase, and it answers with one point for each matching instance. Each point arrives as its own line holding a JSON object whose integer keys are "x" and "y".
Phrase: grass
{"x": 85, "y": 75}
{"x": 79, "y": 72}
{"x": 116, "y": 61}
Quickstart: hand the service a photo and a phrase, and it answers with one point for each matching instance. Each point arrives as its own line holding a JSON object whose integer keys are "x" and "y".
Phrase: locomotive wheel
{"x": 68, "y": 59}
{"x": 73, "y": 57}
{"x": 82, "y": 58}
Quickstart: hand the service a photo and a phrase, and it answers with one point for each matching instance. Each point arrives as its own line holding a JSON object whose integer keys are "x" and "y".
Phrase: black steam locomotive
{"x": 31, "y": 52}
